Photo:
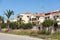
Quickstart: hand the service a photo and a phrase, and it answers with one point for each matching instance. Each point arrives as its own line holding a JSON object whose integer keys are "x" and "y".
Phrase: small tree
{"x": 48, "y": 24}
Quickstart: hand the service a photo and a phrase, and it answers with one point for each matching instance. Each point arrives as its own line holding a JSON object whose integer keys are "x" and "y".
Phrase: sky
{"x": 32, "y": 6}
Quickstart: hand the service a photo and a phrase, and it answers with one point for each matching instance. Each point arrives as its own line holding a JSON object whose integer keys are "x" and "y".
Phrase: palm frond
{"x": 8, "y": 13}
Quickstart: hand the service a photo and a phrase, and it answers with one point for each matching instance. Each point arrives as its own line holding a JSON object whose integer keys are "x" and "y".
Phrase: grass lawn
{"x": 34, "y": 34}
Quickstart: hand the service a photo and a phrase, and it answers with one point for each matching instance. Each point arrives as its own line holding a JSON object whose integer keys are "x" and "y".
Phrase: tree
{"x": 8, "y": 13}
{"x": 19, "y": 22}
{"x": 1, "y": 21}
{"x": 48, "y": 24}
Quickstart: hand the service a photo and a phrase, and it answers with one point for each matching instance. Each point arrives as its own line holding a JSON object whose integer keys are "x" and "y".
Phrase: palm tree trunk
{"x": 8, "y": 22}
{"x": 8, "y": 28}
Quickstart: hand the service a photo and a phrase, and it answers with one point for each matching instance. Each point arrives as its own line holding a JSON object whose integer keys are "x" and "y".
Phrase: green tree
{"x": 48, "y": 24}
{"x": 1, "y": 21}
{"x": 8, "y": 13}
{"x": 20, "y": 22}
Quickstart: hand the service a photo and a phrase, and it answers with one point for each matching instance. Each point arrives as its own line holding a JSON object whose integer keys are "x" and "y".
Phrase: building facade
{"x": 39, "y": 17}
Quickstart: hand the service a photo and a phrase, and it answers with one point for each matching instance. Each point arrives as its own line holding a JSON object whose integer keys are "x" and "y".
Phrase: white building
{"x": 53, "y": 15}
{"x": 28, "y": 17}
{"x": 14, "y": 19}
{"x": 25, "y": 17}
{"x": 36, "y": 17}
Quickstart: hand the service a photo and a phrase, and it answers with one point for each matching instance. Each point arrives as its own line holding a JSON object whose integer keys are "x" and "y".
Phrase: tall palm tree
{"x": 8, "y": 13}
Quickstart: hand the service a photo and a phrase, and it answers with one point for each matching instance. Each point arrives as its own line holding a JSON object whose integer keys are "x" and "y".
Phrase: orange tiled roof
{"x": 50, "y": 13}
{"x": 27, "y": 13}
{"x": 36, "y": 14}
{"x": 42, "y": 15}
{"x": 20, "y": 15}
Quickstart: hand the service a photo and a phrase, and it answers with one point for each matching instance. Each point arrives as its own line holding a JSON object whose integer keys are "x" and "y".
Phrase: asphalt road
{"x": 4, "y": 36}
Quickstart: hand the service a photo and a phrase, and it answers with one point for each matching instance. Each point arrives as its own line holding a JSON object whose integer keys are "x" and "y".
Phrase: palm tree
{"x": 8, "y": 13}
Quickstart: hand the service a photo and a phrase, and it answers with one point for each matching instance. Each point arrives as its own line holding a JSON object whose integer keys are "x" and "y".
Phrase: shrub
{"x": 26, "y": 26}
{"x": 42, "y": 31}
{"x": 13, "y": 25}
{"x": 4, "y": 25}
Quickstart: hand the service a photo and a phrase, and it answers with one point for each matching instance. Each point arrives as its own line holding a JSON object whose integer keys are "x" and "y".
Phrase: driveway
{"x": 4, "y": 36}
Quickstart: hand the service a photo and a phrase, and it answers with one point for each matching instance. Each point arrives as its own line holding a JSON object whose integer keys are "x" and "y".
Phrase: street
{"x": 4, "y": 36}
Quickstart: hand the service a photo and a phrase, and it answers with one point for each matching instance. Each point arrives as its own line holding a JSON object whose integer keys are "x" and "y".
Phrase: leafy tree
{"x": 1, "y": 21}
{"x": 8, "y": 13}
{"x": 20, "y": 22}
{"x": 47, "y": 24}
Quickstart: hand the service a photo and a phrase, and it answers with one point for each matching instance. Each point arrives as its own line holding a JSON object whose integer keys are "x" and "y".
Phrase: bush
{"x": 42, "y": 31}
{"x": 13, "y": 25}
{"x": 26, "y": 26}
{"x": 4, "y": 25}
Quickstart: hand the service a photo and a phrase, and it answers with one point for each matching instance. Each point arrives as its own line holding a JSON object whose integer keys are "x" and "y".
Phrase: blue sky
{"x": 21, "y": 6}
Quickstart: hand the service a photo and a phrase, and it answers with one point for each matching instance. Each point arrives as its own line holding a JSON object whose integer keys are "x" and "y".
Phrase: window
{"x": 45, "y": 17}
{"x": 17, "y": 16}
{"x": 57, "y": 16}
{"x": 30, "y": 19}
{"x": 27, "y": 16}
{"x": 48, "y": 17}
{"x": 37, "y": 17}
{"x": 34, "y": 19}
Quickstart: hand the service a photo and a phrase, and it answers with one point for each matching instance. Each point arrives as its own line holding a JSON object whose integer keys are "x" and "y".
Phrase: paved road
{"x": 4, "y": 36}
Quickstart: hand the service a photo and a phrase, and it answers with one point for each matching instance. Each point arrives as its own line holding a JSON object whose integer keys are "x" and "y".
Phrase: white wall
{"x": 41, "y": 19}
{"x": 25, "y": 18}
